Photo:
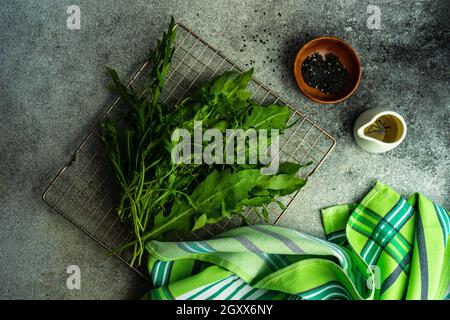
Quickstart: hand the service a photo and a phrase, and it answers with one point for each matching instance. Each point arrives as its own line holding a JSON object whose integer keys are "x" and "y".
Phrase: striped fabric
{"x": 385, "y": 247}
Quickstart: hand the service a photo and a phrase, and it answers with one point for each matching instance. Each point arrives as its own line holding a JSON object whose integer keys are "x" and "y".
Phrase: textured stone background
{"x": 52, "y": 91}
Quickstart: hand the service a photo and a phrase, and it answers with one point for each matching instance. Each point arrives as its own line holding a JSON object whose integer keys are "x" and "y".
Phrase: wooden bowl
{"x": 347, "y": 56}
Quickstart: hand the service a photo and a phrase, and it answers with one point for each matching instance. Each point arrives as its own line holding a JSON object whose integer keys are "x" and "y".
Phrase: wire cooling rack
{"x": 84, "y": 190}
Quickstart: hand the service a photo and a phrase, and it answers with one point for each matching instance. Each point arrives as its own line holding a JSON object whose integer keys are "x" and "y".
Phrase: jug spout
{"x": 360, "y": 131}
{"x": 362, "y": 135}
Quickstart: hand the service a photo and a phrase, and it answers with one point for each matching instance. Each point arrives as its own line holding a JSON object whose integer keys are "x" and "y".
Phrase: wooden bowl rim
{"x": 297, "y": 68}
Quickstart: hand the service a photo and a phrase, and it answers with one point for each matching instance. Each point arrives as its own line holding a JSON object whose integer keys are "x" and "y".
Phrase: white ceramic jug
{"x": 378, "y": 130}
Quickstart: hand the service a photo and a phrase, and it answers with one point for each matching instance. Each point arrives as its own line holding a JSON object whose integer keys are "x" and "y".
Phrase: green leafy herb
{"x": 159, "y": 197}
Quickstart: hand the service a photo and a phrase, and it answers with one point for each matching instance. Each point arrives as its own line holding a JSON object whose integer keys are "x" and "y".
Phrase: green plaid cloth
{"x": 385, "y": 247}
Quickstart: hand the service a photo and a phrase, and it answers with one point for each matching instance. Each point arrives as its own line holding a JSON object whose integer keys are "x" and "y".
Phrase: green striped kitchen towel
{"x": 385, "y": 247}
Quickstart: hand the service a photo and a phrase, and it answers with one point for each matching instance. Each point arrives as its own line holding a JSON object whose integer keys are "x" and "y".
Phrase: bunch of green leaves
{"x": 159, "y": 197}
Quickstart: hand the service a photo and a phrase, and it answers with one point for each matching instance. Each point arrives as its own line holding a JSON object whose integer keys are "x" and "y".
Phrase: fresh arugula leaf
{"x": 270, "y": 117}
{"x": 282, "y": 183}
{"x": 215, "y": 198}
{"x": 292, "y": 167}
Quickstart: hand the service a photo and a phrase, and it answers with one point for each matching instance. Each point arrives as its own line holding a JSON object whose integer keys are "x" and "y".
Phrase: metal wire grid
{"x": 84, "y": 191}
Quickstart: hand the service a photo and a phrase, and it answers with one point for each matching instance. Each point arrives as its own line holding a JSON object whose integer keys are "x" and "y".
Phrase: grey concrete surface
{"x": 52, "y": 91}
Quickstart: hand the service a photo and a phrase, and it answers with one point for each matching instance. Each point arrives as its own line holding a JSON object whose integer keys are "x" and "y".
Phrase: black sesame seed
{"x": 327, "y": 75}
